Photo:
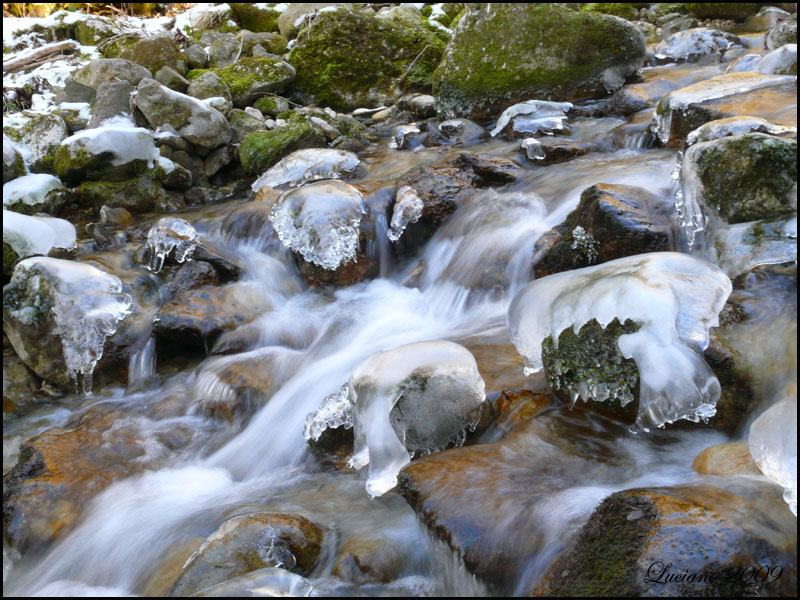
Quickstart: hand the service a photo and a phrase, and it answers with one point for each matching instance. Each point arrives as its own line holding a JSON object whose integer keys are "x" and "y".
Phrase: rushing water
{"x": 458, "y": 288}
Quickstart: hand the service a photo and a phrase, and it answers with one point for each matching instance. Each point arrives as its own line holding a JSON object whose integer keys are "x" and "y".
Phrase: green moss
{"x": 737, "y": 11}
{"x": 118, "y": 46}
{"x": 154, "y": 53}
{"x": 532, "y": 50}
{"x": 75, "y": 165}
{"x": 368, "y": 70}
{"x": 10, "y": 260}
{"x": 255, "y": 19}
{"x": 137, "y": 195}
{"x": 258, "y": 73}
{"x": 262, "y": 149}
{"x": 267, "y": 105}
{"x": 427, "y": 10}
{"x": 749, "y": 177}
{"x": 618, "y": 9}
{"x": 668, "y": 8}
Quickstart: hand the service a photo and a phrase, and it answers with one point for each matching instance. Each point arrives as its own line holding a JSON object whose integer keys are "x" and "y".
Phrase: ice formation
{"x": 170, "y": 233}
{"x": 87, "y": 303}
{"x": 675, "y": 299}
{"x": 307, "y": 165}
{"x": 407, "y": 209}
{"x": 438, "y": 386}
{"x": 687, "y": 44}
{"x": 117, "y": 137}
{"x": 320, "y": 221}
{"x": 29, "y": 236}
{"x": 533, "y": 148}
{"x": 30, "y": 189}
{"x": 773, "y": 445}
{"x": 274, "y": 551}
{"x": 533, "y": 116}
{"x": 738, "y": 248}
{"x": 720, "y": 128}
{"x": 335, "y": 411}
{"x": 401, "y": 133}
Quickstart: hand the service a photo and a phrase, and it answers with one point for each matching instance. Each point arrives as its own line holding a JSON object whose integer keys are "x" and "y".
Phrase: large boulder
{"x": 156, "y": 52}
{"x": 256, "y": 17}
{"x": 193, "y": 120}
{"x": 502, "y": 54}
{"x": 288, "y": 19}
{"x": 113, "y": 98}
{"x": 41, "y": 136}
{"x": 380, "y": 59}
{"x": 103, "y": 70}
{"x": 252, "y": 77}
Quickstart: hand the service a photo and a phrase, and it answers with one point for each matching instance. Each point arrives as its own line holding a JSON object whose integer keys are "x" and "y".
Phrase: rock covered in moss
{"x": 272, "y": 43}
{"x": 735, "y": 11}
{"x": 501, "y": 54}
{"x": 783, "y": 33}
{"x": 103, "y": 70}
{"x": 137, "y": 195}
{"x": 155, "y": 52}
{"x": 251, "y": 77}
{"x": 262, "y": 149}
{"x": 256, "y": 17}
{"x": 31, "y": 194}
{"x": 41, "y": 135}
{"x": 243, "y": 124}
{"x": 288, "y": 19}
{"x": 743, "y": 178}
{"x": 379, "y": 60}
{"x": 209, "y": 85}
{"x": 611, "y": 221}
{"x": 624, "y": 10}
{"x": 272, "y": 105}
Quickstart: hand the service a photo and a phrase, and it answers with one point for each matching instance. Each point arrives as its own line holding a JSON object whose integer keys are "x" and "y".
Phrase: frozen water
{"x": 533, "y": 116}
{"x": 29, "y": 236}
{"x": 274, "y": 551}
{"x": 675, "y": 299}
{"x": 335, "y": 411}
{"x": 401, "y": 133}
{"x": 268, "y": 582}
{"x": 119, "y": 138}
{"x": 307, "y": 165}
{"x": 320, "y": 221}
{"x": 170, "y": 233}
{"x": 773, "y": 445}
{"x": 30, "y": 189}
{"x": 738, "y": 248}
{"x": 88, "y": 304}
{"x": 439, "y": 386}
{"x": 720, "y": 128}
{"x": 685, "y": 45}
{"x": 407, "y": 209}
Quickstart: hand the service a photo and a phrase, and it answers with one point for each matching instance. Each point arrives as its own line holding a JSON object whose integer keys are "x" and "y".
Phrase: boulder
{"x": 113, "y": 98}
{"x": 41, "y": 135}
{"x": 693, "y": 45}
{"x": 256, "y": 18}
{"x": 103, "y": 70}
{"x": 288, "y": 19}
{"x": 262, "y": 149}
{"x": 169, "y": 77}
{"x": 155, "y": 52}
{"x": 271, "y": 43}
{"x": 784, "y": 32}
{"x": 196, "y": 57}
{"x": 503, "y": 54}
{"x": 380, "y": 60}
{"x": 13, "y": 164}
{"x": 209, "y": 85}
{"x": 251, "y": 77}
{"x": 136, "y": 195}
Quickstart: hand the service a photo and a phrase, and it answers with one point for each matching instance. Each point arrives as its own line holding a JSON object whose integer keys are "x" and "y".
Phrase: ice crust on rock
{"x": 30, "y": 189}
{"x": 303, "y": 166}
{"x": 738, "y": 248}
{"x": 714, "y": 130}
{"x": 773, "y": 446}
{"x": 320, "y": 221}
{"x": 168, "y": 234}
{"x": 675, "y": 299}
{"x": 439, "y": 386}
{"x": 690, "y": 43}
{"x": 401, "y": 134}
{"x": 407, "y": 209}
{"x": 533, "y": 116}
{"x": 29, "y": 236}
{"x": 335, "y": 411}
{"x": 87, "y": 303}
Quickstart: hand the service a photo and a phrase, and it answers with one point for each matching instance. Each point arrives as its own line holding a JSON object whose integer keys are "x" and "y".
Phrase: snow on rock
{"x": 407, "y": 209}
{"x": 320, "y": 221}
{"x": 168, "y": 234}
{"x": 439, "y": 387}
{"x": 773, "y": 445}
{"x": 312, "y": 164}
{"x": 402, "y": 136}
{"x": 674, "y": 298}
{"x": 30, "y": 189}
{"x": 29, "y": 236}
{"x": 533, "y": 116}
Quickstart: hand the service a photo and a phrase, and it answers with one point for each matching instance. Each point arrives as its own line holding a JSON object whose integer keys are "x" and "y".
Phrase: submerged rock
{"x": 247, "y": 543}
{"x": 693, "y": 44}
{"x": 548, "y": 151}
{"x": 506, "y": 53}
{"x": 271, "y": 581}
{"x": 726, "y": 459}
{"x": 170, "y": 235}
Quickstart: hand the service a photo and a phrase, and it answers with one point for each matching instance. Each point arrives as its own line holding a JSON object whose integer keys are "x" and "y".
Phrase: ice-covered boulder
{"x": 673, "y": 298}
{"x": 781, "y": 61}
{"x": 406, "y": 137}
{"x": 439, "y": 386}
{"x": 773, "y": 445}
{"x": 193, "y": 120}
{"x": 738, "y": 248}
{"x": 57, "y": 315}
{"x": 407, "y": 209}
{"x": 462, "y": 131}
{"x": 25, "y": 236}
{"x": 691, "y": 45}
{"x": 713, "y": 130}
{"x": 532, "y": 117}
{"x": 28, "y": 194}
{"x": 303, "y": 166}
{"x": 548, "y": 151}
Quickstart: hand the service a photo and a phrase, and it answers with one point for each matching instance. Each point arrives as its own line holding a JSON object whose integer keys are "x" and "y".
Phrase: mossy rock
{"x": 78, "y": 165}
{"x": 256, "y": 19}
{"x": 514, "y": 52}
{"x": 114, "y": 48}
{"x": 262, "y": 149}
{"x": 251, "y": 77}
{"x": 13, "y": 163}
{"x": 272, "y": 105}
{"x": 273, "y": 43}
{"x": 371, "y": 68}
{"x": 42, "y": 135}
{"x": 10, "y": 259}
{"x": 618, "y": 9}
{"x": 736, "y": 11}
{"x": 667, "y": 8}
{"x": 136, "y": 195}
{"x": 155, "y": 52}
{"x": 748, "y": 177}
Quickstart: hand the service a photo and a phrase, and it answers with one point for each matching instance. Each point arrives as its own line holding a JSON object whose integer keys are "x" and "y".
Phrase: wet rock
{"x": 771, "y": 97}
{"x": 13, "y": 164}
{"x": 783, "y": 33}
{"x": 199, "y": 316}
{"x": 462, "y": 132}
{"x": 531, "y": 118}
{"x": 193, "y": 120}
{"x": 251, "y": 77}
{"x": 782, "y": 61}
{"x": 115, "y": 217}
{"x": 694, "y": 44}
{"x": 42, "y": 136}
{"x": 726, "y": 459}
{"x": 546, "y": 43}
{"x": 113, "y": 98}
{"x": 20, "y": 384}
{"x": 191, "y": 275}
{"x": 288, "y": 18}
{"x": 103, "y": 70}
{"x": 260, "y": 150}
{"x": 743, "y": 178}
{"x": 611, "y": 221}
{"x": 155, "y": 52}
{"x": 422, "y": 106}
{"x": 381, "y": 59}
{"x": 640, "y": 535}
{"x": 735, "y": 11}
{"x": 547, "y": 151}
{"x": 370, "y": 559}
{"x": 256, "y": 18}
{"x": 275, "y": 581}
{"x": 249, "y": 542}
{"x": 169, "y": 77}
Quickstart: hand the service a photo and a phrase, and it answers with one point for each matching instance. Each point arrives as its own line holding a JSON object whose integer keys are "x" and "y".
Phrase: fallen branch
{"x": 38, "y": 57}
